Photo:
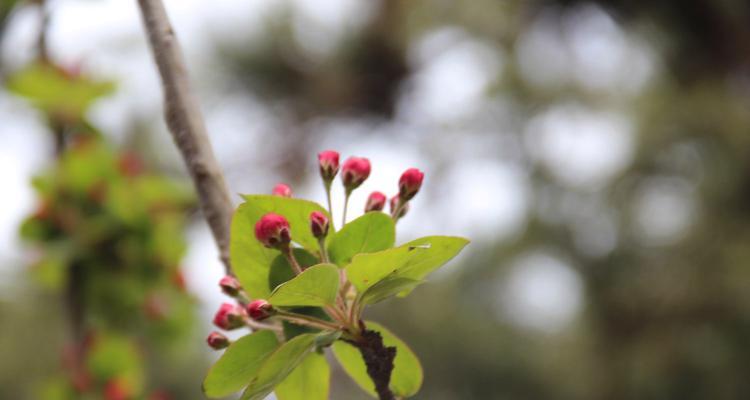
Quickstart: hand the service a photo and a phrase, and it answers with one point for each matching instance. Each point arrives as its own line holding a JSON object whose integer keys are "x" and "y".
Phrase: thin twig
{"x": 185, "y": 123}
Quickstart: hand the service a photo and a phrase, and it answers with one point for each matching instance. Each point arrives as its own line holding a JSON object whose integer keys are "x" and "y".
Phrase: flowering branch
{"x": 185, "y": 123}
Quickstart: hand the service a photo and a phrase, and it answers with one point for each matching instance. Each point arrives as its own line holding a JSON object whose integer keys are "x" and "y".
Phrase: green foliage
{"x": 413, "y": 260}
{"x": 316, "y": 310}
{"x": 406, "y": 378}
{"x": 251, "y": 261}
{"x": 316, "y": 286}
{"x": 57, "y": 92}
{"x": 309, "y": 381}
{"x": 239, "y": 364}
{"x": 369, "y": 233}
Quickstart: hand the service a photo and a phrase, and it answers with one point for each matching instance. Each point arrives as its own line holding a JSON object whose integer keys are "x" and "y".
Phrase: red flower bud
{"x": 230, "y": 286}
{"x": 259, "y": 309}
{"x": 328, "y": 162}
{"x": 409, "y": 184}
{"x": 282, "y": 190}
{"x": 375, "y": 202}
{"x": 273, "y": 231}
{"x": 115, "y": 389}
{"x": 354, "y": 172}
{"x": 318, "y": 224}
{"x": 217, "y": 341}
{"x": 395, "y": 202}
{"x": 230, "y": 316}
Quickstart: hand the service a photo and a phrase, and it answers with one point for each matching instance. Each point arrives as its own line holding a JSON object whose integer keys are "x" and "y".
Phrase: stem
{"x": 307, "y": 320}
{"x": 185, "y": 123}
{"x": 255, "y": 325}
{"x": 323, "y": 252}
{"x": 287, "y": 250}
{"x": 346, "y": 206}
{"x": 397, "y": 211}
{"x": 328, "y": 198}
{"x": 379, "y": 361}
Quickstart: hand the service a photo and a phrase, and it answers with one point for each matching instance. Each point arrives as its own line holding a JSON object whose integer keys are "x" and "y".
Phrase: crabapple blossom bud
{"x": 259, "y": 309}
{"x": 273, "y": 231}
{"x": 354, "y": 172}
{"x": 318, "y": 224}
{"x": 230, "y": 286}
{"x": 375, "y": 202}
{"x": 282, "y": 190}
{"x": 409, "y": 184}
{"x": 230, "y": 316}
{"x": 217, "y": 341}
{"x": 329, "y": 164}
{"x": 116, "y": 389}
{"x": 395, "y": 202}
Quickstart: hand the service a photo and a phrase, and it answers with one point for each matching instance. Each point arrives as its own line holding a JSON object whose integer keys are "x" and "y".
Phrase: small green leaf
{"x": 239, "y": 363}
{"x": 281, "y": 270}
{"x": 310, "y": 381}
{"x": 406, "y": 378}
{"x": 315, "y": 286}
{"x": 369, "y": 233}
{"x": 413, "y": 260}
{"x": 279, "y": 365}
{"x": 390, "y": 286}
{"x": 251, "y": 261}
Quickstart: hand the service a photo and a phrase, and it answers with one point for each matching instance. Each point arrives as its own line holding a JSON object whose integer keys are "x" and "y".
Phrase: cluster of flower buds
{"x": 234, "y": 315}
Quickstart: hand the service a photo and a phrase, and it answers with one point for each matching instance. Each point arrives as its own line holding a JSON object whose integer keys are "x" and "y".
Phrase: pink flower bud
{"x": 354, "y": 172}
{"x": 230, "y": 316}
{"x": 395, "y": 202}
{"x": 259, "y": 309}
{"x": 409, "y": 184}
{"x": 318, "y": 224}
{"x": 230, "y": 286}
{"x": 273, "y": 230}
{"x": 375, "y": 202}
{"x": 329, "y": 164}
{"x": 217, "y": 341}
{"x": 282, "y": 190}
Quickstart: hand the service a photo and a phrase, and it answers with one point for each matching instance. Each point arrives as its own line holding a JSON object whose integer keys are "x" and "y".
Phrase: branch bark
{"x": 379, "y": 361}
{"x": 185, "y": 123}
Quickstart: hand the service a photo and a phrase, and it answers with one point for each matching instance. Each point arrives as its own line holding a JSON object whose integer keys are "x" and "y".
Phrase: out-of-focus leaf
{"x": 369, "y": 233}
{"x": 250, "y": 259}
{"x": 113, "y": 356}
{"x": 309, "y": 381}
{"x": 240, "y": 362}
{"x": 54, "y": 91}
{"x": 279, "y": 365}
{"x": 406, "y": 378}
{"x": 413, "y": 260}
{"x": 315, "y": 286}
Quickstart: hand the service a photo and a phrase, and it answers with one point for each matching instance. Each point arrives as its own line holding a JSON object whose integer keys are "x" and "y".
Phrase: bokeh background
{"x": 597, "y": 153}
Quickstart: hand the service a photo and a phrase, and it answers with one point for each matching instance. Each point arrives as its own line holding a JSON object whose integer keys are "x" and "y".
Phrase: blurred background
{"x": 597, "y": 153}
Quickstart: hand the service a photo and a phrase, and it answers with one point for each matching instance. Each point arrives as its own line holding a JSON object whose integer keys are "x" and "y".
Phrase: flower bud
{"x": 230, "y": 316}
{"x": 409, "y": 184}
{"x": 318, "y": 224}
{"x": 273, "y": 231}
{"x": 259, "y": 309}
{"x": 230, "y": 286}
{"x": 375, "y": 202}
{"x": 282, "y": 190}
{"x": 395, "y": 202}
{"x": 328, "y": 162}
{"x": 217, "y": 341}
{"x": 115, "y": 389}
{"x": 354, "y": 172}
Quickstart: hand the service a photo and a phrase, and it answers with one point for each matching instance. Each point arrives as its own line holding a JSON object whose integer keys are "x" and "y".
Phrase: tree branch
{"x": 185, "y": 123}
{"x": 379, "y": 361}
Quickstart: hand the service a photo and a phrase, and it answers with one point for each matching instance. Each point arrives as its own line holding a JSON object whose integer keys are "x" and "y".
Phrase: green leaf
{"x": 279, "y": 365}
{"x": 315, "y": 286}
{"x": 240, "y": 362}
{"x": 281, "y": 270}
{"x": 309, "y": 381}
{"x": 251, "y": 261}
{"x": 389, "y": 286}
{"x": 413, "y": 260}
{"x": 369, "y": 233}
{"x": 406, "y": 378}
{"x": 54, "y": 91}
